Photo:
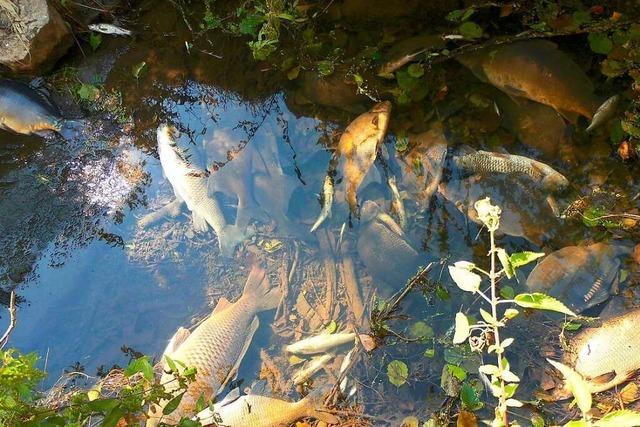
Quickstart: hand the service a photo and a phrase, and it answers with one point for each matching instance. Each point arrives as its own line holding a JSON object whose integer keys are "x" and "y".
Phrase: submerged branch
{"x": 12, "y": 320}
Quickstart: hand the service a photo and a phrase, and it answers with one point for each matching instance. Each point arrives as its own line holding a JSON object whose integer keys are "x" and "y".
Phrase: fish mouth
{"x": 168, "y": 130}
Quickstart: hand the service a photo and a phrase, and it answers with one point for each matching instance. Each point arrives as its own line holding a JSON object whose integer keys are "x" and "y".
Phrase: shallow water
{"x": 95, "y": 281}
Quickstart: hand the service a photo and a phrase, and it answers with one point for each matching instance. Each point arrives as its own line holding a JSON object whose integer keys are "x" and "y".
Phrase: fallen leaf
{"x": 466, "y": 419}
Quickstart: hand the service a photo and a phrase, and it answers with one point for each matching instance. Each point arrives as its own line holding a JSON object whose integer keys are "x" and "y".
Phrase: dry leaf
{"x": 467, "y": 419}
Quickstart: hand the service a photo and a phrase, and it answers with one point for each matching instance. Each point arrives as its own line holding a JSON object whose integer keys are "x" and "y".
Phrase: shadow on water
{"x": 93, "y": 280}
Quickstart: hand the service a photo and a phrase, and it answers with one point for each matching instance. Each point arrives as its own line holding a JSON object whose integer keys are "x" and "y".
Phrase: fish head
{"x": 370, "y": 210}
{"x": 383, "y": 107}
{"x": 555, "y": 182}
{"x": 167, "y": 132}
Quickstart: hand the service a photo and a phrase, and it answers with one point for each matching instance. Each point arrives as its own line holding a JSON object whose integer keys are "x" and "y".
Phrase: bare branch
{"x": 12, "y": 320}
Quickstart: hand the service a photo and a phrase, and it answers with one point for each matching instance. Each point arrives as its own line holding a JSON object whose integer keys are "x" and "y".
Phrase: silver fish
{"x": 327, "y": 202}
{"x": 261, "y": 411}
{"x": 190, "y": 185}
{"x": 311, "y": 367}
{"x": 604, "y": 112}
{"x": 321, "y": 343}
{"x": 109, "y": 29}
{"x": 396, "y": 202}
{"x": 216, "y": 347}
{"x": 486, "y": 162}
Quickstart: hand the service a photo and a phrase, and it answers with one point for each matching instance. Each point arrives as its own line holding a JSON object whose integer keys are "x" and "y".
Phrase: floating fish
{"x": 605, "y": 112}
{"x": 397, "y": 205}
{"x": 320, "y": 343}
{"x": 24, "y": 110}
{"x": 190, "y": 185}
{"x": 485, "y": 162}
{"x": 408, "y": 50}
{"x": 579, "y": 276}
{"x": 606, "y": 355}
{"x": 327, "y": 202}
{"x": 109, "y": 29}
{"x": 216, "y": 347}
{"x": 261, "y": 411}
{"x": 359, "y": 145}
{"x": 537, "y": 70}
{"x": 384, "y": 248}
{"x": 311, "y": 367}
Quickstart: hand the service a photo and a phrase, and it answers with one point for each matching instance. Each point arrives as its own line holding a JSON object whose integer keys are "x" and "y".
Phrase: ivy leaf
{"x": 462, "y": 329}
{"x": 470, "y": 30}
{"x": 466, "y": 280}
{"x": 95, "y": 40}
{"x": 541, "y": 301}
{"x": 172, "y": 405}
{"x": 621, "y": 418}
{"x": 600, "y": 43}
{"x": 397, "y": 372}
{"x": 576, "y": 385}
{"x": 520, "y": 259}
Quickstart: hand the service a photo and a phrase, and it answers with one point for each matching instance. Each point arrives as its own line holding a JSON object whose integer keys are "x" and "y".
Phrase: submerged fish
{"x": 26, "y": 111}
{"x": 311, "y": 367}
{"x": 261, "y": 411}
{"x": 359, "y": 146}
{"x": 396, "y": 202}
{"x": 606, "y": 355}
{"x": 327, "y": 202}
{"x": 408, "y": 50}
{"x": 320, "y": 343}
{"x": 604, "y": 112}
{"x": 109, "y": 29}
{"x": 579, "y": 276}
{"x": 190, "y": 185}
{"x": 216, "y": 347}
{"x": 537, "y": 70}
{"x": 485, "y": 162}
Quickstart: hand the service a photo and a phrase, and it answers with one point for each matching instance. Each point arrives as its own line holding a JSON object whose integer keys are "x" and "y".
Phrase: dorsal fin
{"x": 176, "y": 341}
{"x": 221, "y": 305}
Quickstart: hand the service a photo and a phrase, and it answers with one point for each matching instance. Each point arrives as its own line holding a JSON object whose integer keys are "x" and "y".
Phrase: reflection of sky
{"x": 99, "y": 300}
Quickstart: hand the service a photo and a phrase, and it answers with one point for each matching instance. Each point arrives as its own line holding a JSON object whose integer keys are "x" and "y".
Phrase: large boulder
{"x": 33, "y": 35}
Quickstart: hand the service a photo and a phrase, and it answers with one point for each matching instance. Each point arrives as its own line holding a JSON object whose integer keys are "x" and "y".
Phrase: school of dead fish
{"x": 538, "y": 83}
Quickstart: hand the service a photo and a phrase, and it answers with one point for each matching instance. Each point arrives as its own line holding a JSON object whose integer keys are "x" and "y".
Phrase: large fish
{"x": 537, "y": 70}
{"x": 359, "y": 145}
{"x": 579, "y": 276}
{"x": 190, "y": 185}
{"x": 216, "y": 347}
{"x": 261, "y": 411}
{"x": 606, "y": 355}
{"x": 24, "y": 110}
{"x": 485, "y": 162}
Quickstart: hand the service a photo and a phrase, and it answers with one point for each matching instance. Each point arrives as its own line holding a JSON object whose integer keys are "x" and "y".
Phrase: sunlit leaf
{"x": 141, "y": 365}
{"x": 469, "y": 397}
{"x": 514, "y": 402}
{"x": 576, "y": 385}
{"x": 488, "y": 317}
{"x": 621, "y": 418}
{"x": 332, "y": 327}
{"x": 489, "y": 369}
{"x": 112, "y": 418}
{"x": 397, "y": 372}
{"x": 510, "y": 313}
{"x": 520, "y": 259}
{"x": 541, "y": 301}
{"x": 504, "y": 260}
{"x": 509, "y": 376}
{"x": 466, "y": 280}
{"x": 577, "y": 423}
{"x": 137, "y": 69}
{"x": 172, "y": 405}
{"x": 457, "y": 372}
{"x": 462, "y": 329}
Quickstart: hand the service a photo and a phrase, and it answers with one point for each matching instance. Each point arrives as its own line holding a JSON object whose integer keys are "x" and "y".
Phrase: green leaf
{"x": 457, "y": 372}
{"x": 520, "y": 259}
{"x": 172, "y": 405}
{"x": 541, "y": 301}
{"x": 405, "y": 81}
{"x": 201, "y": 403}
{"x": 621, "y": 418}
{"x": 504, "y": 260}
{"x": 186, "y": 422}
{"x": 421, "y": 331}
{"x": 140, "y": 365}
{"x": 415, "y": 70}
{"x": 600, "y": 43}
{"x": 460, "y": 15}
{"x": 462, "y": 329}
{"x": 112, "y": 418}
{"x": 470, "y": 30}
{"x": 103, "y": 405}
{"x": 465, "y": 279}
{"x": 137, "y": 69}
{"x": 469, "y": 397}
{"x": 510, "y": 313}
{"x": 578, "y": 423}
{"x": 576, "y": 385}
{"x": 170, "y": 363}
{"x": 631, "y": 128}
{"x": 581, "y": 17}
{"x": 88, "y": 92}
{"x": 397, "y": 372}
{"x": 325, "y": 68}
{"x": 507, "y": 292}
{"x": 250, "y": 24}
{"x": 537, "y": 420}
{"x": 332, "y": 327}
{"x": 95, "y": 40}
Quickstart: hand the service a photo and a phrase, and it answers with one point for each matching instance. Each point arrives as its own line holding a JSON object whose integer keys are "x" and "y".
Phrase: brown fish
{"x": 359, "y": 145}
{"x": 606, "y": 355}
{"x": 537, "y": 70}
{"x": 579, "y": 276}
{"x": 216, "y": 347}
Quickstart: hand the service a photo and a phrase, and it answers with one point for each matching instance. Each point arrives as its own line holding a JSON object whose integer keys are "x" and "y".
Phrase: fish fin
{"x": 313, "y": 406}
{"x": 221, "y": 305}
{"x": 387, "y": 220}
{"x": 199, "y": 223}
{"x": 515, "y": 94}
{"x": 229, "y": 238}
{"x": 233, "y": 373}
{"x": 570, "y": 116}
{"x": 70, "y": 129}
{"x": 257, "y": 289}
{"x": 176, "y": 341}
{"x": 603, "y": 379}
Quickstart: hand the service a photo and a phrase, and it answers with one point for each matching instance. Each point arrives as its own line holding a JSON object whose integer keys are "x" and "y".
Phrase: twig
{"x": 12, "y": 320}
{"x": 350, "y": 282}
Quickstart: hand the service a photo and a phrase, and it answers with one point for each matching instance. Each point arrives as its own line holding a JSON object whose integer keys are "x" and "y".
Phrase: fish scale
{"x": 483, "y": 163}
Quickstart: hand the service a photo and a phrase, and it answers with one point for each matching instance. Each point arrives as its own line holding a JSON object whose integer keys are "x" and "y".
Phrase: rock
{"x": 33, "y": 36}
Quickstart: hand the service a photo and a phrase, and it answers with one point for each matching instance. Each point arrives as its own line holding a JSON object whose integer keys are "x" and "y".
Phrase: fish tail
{"x": 71, "y": 129}
{"x": 258, "y": 291}
{"x": 313, "y": 406}
{"x": 228, "y": 239}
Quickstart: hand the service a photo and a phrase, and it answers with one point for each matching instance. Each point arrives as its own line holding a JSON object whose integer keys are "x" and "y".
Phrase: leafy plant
{"x": 486, "y": 333}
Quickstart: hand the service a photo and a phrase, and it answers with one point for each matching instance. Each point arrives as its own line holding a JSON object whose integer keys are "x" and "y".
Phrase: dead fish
{"x": 327, "y": 202}
{"x": 359, "y": 145}
{"x": 321, "y": 343}
{"x": 388, "y": 69}
{"x": 109, "y": 29}
{"x": 537, "y": 70}
{"x": 26, "y": 111}
{"x": 311, "y": 367}
{"x": 262, "y": 411}
{"x": 485, "y": 162}
{"x": 384, "y": 248}
{"x": 396, "y": 202}
{"x": 604, "y": 112}
{"x": 408, "y": 50}
{"x": 606, "y": 355}
{"x": 579, "y": 276}
{"x": 190, "y": 185}
{"x": 216, "y": 347}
